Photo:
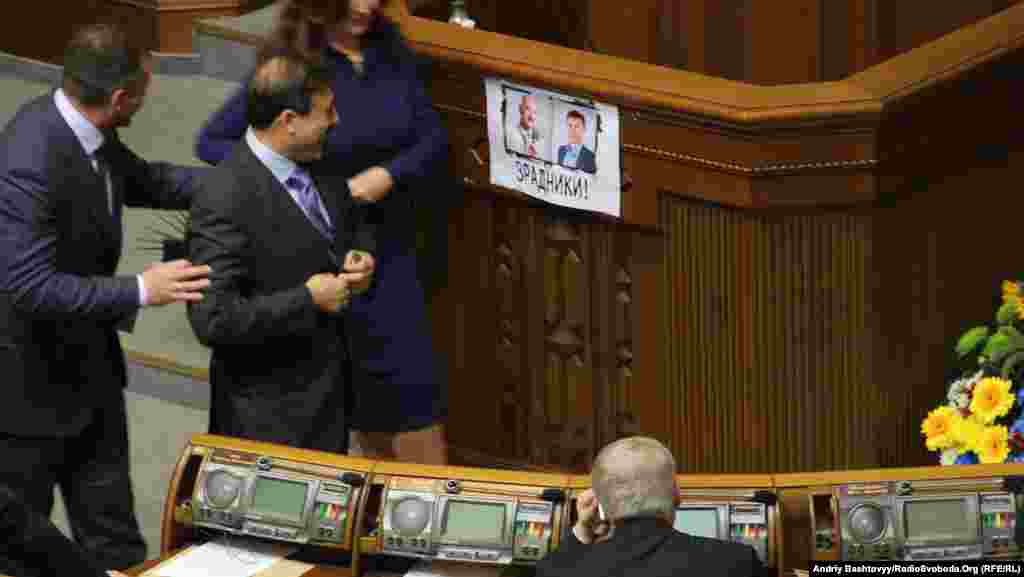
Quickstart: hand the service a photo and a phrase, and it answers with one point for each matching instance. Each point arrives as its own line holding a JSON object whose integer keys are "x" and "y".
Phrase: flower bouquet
{"x": 981, "y": 420}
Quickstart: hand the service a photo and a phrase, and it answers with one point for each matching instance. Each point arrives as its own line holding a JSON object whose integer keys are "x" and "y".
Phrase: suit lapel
{"x": 93, "y": 199}
{"x": 331, "y": 202}
{"x": 282, "y": 206}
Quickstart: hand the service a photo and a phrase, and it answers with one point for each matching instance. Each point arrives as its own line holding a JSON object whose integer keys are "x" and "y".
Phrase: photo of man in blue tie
{"x": 575, "y": 154}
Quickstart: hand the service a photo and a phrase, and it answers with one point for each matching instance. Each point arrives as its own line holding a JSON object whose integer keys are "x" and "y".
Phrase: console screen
{"x": 279, "y": 497}
{"x": 941, "y": 519}
{"x": 699, "y": 522}
{"x": 474, "y": 522}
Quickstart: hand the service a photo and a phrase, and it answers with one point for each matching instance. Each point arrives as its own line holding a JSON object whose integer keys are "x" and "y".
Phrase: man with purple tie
{"x": 273, "y": 231}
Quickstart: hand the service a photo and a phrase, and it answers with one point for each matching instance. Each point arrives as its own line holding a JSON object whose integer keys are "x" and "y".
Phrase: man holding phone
{"x": 624, "y": 524}
{"x": 272, "y": 227}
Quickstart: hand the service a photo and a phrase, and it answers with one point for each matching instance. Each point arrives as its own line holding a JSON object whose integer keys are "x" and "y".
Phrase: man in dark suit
{"x": 634, "y": 482}
{"x": 272, "y": 231}
{"x": 575, "y": 154}
{"x": 64, "y": 177}
{"x": 29, "y": 540}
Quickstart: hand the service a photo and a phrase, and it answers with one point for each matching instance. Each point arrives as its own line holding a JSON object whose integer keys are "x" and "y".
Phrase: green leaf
{"x": 996, "y": 347}
{"x": 1007, "y": 313}
{"x": 970, "y": 340}
{"x": 1011, "y": 363}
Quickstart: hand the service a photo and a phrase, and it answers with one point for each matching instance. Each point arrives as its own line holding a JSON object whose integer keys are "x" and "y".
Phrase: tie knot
{"x": 299, "y": 180}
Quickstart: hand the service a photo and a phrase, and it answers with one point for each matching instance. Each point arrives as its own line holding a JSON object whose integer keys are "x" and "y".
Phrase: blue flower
{"x": 1018, "y": 426}
{"x": 967, "y": 458}
{"x": 1020, "y": 396}
{"x": 1015, "y": 458}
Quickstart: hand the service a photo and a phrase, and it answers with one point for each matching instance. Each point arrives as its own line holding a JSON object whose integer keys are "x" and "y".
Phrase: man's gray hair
{"x": 635, "y": 476}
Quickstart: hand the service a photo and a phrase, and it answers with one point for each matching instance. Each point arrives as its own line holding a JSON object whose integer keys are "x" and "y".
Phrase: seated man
{"x": 31, "y": 545}
{"x": 634, "y": 482}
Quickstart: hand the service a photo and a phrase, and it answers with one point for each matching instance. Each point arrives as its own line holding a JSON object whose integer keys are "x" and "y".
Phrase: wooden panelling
{"x": 766, "y": 323}
{"x": 40, "y": 30}
{"x": 785, "y": 44}
{"x": 905, "y": 25}
{"x": 786, "y": 304}
{"x": 671, "y": 38}
{"x": 758, "y": 41}
{"x": 624, "y": 29}
{"x": 166, "y": 25}
{"x": 726, "y": 38}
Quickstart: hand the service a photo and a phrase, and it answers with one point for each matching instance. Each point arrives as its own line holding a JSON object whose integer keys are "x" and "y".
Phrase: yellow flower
{"x": 991, "y": 399}
{"x": 967, "y": 432}
{"x": 940, "y": 427}
{"x": 993, "y": 446}
{"x": 1011, "y": 290}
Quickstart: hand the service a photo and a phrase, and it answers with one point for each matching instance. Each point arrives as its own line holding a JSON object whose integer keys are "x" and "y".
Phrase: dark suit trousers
{"x": 92, "y": 471}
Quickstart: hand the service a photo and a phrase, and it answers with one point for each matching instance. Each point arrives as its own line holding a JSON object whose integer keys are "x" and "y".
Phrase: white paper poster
{"x": 554, "y": 147}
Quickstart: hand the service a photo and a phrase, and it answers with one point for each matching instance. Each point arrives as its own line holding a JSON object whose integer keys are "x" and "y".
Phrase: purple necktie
{"x": 309, "y": 200}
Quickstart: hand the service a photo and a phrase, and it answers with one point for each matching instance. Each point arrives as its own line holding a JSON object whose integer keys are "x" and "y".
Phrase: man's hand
{"x": 174, "y": 282}
{"x": 113, "y": 573}
{"x": 371, "y": 185}
{"x": 331, "y": 292}
{"x": 589, "y": 526}
{"x": 360, "y": 263}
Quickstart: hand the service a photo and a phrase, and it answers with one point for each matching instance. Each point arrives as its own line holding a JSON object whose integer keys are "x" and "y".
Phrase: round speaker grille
{"x": 867, "y": 523}
{"x": 410, "y": 516}
{"x": 222, "y": 488}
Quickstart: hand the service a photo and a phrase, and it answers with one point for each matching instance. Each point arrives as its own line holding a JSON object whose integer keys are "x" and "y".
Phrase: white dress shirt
{"x": 281, "y": 167}
{"x": 91, "y": 139}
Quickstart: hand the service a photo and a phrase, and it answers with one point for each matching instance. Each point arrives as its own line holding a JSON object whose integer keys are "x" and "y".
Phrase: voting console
{"x": 922, "y": 520}
{"x": 901, "y": 514}
{"x": 360, "y": 508}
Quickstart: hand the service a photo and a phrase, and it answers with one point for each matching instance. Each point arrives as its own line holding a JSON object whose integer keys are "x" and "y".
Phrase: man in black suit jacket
{"x": 35, "y": 546}
{"x": 634, "y": 482}
{"x": 272, "y": 233}
{"x": 64, "y": 178}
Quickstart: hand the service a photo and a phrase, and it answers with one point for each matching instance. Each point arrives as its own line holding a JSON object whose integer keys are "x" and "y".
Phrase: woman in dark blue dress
{"x": 388, "y": 142}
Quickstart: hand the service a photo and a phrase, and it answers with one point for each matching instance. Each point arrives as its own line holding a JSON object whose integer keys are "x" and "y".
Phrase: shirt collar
{"x": 280, "y": 166}
{"x": 88, "y": 135}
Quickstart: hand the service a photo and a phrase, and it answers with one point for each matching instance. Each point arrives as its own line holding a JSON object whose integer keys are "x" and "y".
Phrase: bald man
{"x": 634, "y": 482}
{"x": 524, "y": 137}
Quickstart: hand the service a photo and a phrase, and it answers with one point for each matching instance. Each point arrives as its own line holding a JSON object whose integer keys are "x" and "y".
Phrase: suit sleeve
{"x": 223, "y": 129}
{"x": 160, "y": 185}
{"x": 226, "y": 316}
{"x": 29, "y": 235}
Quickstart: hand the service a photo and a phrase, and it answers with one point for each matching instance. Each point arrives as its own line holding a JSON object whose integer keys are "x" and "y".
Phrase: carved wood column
{"x": 568, "y": 368}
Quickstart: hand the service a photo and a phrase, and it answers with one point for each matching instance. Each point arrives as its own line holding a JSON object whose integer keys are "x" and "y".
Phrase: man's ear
{"x": 286, "y": 119}
{"x": 119, "y": 98}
